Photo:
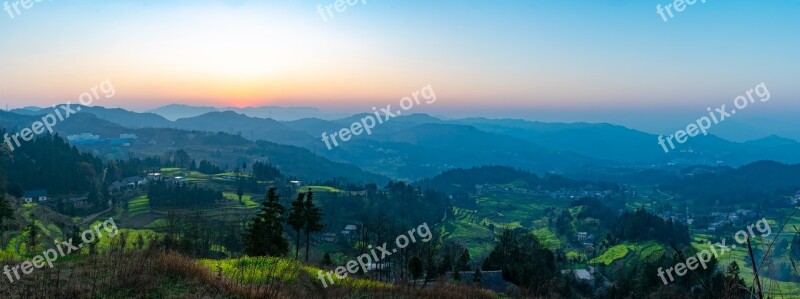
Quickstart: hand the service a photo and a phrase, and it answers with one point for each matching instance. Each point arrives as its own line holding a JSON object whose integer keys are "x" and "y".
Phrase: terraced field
{"x": 630, "y": 253}
{"x": 138, "y": 206}
{"x": 476, "y": 228}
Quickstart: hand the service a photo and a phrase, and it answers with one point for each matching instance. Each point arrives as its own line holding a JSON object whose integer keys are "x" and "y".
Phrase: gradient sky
{"x": 492, "y": 57}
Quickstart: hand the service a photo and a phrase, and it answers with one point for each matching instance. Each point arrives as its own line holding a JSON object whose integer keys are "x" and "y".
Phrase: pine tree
{"x": 239, "y": 188}
{"x": 297, "y": 220}
{"x": 264, "y": 237}
{"x": 415, "y": 268}
{"x": 476, "y": 278}
{"x": 33, "y": 236}
{"x": 327, "y": 260}
{"x": 6, "y": 212}
{"x": 76, "y": 237}
{"x": 313, "y": 220}
{"x": 463, "y": 261}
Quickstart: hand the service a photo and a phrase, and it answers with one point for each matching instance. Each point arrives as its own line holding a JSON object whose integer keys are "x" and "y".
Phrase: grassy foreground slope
{"x": 153, "y": 273}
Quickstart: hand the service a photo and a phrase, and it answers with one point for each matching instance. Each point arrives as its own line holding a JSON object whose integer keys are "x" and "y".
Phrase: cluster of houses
{"x": 39, "y": 195}
{"x": 349, "y": 231}
{"x": 488, "y": 188}
{"x": 721, "y": 219}
{"x": 128, "y": 183}
{"x": 577, "y": 194}
{"x": 560, "y": 194}
{"x": 136, "y": 182}
{"x": 124, "y": 140}
{"x": 684, "y": 218}
{"x": 716, "y": 220}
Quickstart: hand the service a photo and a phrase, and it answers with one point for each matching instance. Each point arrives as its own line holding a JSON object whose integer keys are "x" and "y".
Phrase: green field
{"x": 476, "y": 228}
{"x": 247, "y": 200}
{"x": 507, "y": 210}
{"x": 270, "y": 270}
{"x": 138, "y": 206}
{"x": 740, "y": 255}
{"x": 467, "y": 229}
{"x": 318, "y": 189}
{"x": 612, "y": 254}
{"x": 630, "y": 253}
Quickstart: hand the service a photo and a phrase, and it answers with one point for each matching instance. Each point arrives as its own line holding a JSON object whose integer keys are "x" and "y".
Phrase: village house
{"x": 349, "y": 230}
{"x": 490, "y": 280}
{"x": 584, "y": 276}
{"x": 127, "y": 184}
{"x": 329, "y": 237}
{"x": 79, "y": 202}
{"x": 35, "y": 195}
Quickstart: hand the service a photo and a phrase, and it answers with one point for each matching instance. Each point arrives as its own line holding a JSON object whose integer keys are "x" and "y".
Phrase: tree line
{"x": 264, "y": 235}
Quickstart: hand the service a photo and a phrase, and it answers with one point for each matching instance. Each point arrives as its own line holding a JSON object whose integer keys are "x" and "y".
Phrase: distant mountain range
{"x": 177, "y": 111}
{"x": 415, "y": 146}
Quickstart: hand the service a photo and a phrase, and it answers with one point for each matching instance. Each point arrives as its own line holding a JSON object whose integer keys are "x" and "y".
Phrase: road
{"x": 91, "y": 218}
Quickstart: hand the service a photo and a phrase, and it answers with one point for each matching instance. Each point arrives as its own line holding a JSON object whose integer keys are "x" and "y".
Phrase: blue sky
{"x": 483, "y": 57}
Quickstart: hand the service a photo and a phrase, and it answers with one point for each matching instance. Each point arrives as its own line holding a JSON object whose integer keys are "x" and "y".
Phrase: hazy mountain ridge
{"x": 420, "y": 145}
{"x": 211, "y": 145}
{"x": 178, "y": 111}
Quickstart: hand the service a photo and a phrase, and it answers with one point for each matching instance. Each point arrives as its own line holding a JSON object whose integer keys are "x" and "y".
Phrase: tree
{"x": 33, "y": 236}
{"x": 76, "y": 236}
{"x": 415, "y": 267}
{"x": 297, "y": 220}
{"x": 6, "y": 212}
{"x": 264, "y": 237}
{"x": 239, "y": 188}
{"x": 732, "y": 271}
{"x": 15, "y": 190}
{"x": 476, "y": 278}
{"x": 206, "y": 167}
{"x": 463, "y": 261}
{"x": 182, "y": 159}
{"x": 313, "y": 220}
{"x": 523, "y": 260}
{"x": 327, "y": 260}
{"x": 265, "y": 172}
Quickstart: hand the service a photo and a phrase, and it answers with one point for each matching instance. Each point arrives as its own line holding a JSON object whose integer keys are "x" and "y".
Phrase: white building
{"x": 35, "y": 195}
{"x": 82, "y": 137}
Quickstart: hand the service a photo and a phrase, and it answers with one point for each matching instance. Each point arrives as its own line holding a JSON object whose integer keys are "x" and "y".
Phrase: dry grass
{"x": 154, "y": 273}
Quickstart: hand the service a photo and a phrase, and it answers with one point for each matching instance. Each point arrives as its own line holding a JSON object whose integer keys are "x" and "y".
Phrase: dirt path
{"x": 662, "y": 192}
{"x": 91, "y": 218}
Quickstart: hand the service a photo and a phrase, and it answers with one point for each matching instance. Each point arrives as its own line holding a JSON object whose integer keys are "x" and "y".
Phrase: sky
{"x": 598, "y": 60}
